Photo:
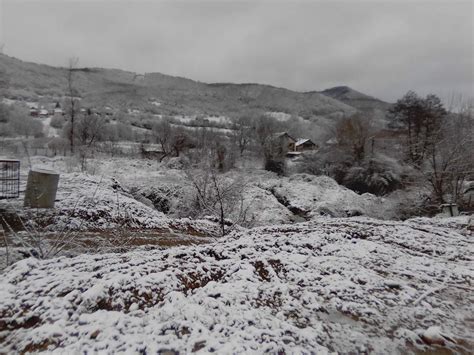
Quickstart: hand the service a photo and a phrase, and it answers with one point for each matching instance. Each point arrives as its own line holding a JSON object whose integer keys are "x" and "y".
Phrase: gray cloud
{"x": 383, "y": 48}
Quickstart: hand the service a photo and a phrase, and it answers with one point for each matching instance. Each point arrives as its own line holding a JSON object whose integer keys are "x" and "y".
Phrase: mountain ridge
{"x": 175, "y": 95}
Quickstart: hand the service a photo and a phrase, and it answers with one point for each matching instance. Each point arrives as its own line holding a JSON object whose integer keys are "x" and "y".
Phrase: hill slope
{"x": 170, "y": 95}
{"x": 355, "y": 98}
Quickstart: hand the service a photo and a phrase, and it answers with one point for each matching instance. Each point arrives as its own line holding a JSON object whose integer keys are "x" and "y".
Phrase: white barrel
{"x": 41, "y": 188}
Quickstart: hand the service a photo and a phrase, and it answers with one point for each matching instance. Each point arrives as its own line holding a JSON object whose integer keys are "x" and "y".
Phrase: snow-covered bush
{"x": 375, "y": 176}
{"x": 330, "y": 161}
{"x": 57, "y": 122}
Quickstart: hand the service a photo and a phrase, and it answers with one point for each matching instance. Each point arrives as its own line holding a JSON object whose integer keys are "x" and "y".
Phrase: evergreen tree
{"x": 422, "y": 118}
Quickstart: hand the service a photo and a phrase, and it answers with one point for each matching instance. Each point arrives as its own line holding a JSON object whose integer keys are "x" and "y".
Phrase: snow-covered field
{"x": 330, "y": 285}
{"x": 303, "y": 280}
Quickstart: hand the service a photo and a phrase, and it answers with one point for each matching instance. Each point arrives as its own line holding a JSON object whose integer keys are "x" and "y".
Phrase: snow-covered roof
{"x": 301, "y": 141}
{"x": 44, "y": 112}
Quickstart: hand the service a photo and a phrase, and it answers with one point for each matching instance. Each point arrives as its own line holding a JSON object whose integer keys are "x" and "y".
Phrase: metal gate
{"x": 9, "y": 178}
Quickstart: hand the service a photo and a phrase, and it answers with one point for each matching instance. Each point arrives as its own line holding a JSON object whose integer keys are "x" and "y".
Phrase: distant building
{"x": 286, "y": 140}
{"x": 43, "y": 113}
{"x": 57, "y": 112}
{"x": 304, "y": 144}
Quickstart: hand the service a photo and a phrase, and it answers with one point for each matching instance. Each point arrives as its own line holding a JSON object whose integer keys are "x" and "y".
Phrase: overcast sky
{"x": 382, "y": 48}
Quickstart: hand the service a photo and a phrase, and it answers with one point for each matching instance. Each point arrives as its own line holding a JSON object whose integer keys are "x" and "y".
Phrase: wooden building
{"x": 304, "y": 144}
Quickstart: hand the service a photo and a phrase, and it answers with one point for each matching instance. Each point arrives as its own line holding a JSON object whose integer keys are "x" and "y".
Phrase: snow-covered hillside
{"x": 344, "y": 285}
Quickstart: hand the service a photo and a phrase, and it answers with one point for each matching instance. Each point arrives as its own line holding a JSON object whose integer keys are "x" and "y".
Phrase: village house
{"x": 304, "y": 144}
{"x": 57, "y": 112}
{"x": 43, "y": 113}
{"x": 286, "y": 140}
{"x": 295, "y": 147}
{"x": 33, "y": 106}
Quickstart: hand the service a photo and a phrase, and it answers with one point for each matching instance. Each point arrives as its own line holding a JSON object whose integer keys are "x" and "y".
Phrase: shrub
{"x": 57, "y": 122}
{"x": 378, "y": 175}
{"x": 373, "y": 176}
{"x": 276, "y": 166}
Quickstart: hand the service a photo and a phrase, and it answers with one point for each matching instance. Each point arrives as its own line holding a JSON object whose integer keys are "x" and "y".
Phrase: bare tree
{"x": 89, "y": 129}
{"x": 4, "y": 82}
{"x": 451, "y": 160}
{"x": 242, "y": 133}
{"x": 352, "y": 134}
{"x": 162, "y": 133}
{"x": 273, "y": 145}
{"x": 216, "y": 194}
{"x": 71, "y": 92}
{"x": 180, "y": 141}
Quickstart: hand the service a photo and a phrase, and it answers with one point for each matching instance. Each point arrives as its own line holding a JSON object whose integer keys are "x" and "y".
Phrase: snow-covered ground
{"x": 120, "y": 184}
{"x": 149, "y": 194}
{"x": 330, "y": 285}
{"x": 48, "y": 130}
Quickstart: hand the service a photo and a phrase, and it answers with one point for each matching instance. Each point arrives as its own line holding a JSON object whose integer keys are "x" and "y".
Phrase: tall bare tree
{"x": 451, "y": 158}
{"x": 216, "y": 194}
{"x": 4, "y": 81}
{"x": 272, "y": 144}
{"x": 242, "y": 133}
{"x": 162, "y": 133}
{"x": 71, "y": 92}
{"x": 352, "y": 134}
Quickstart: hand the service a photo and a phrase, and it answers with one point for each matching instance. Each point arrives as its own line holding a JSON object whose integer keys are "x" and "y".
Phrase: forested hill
{"x": 164, "y": 94}
{"x": 355, "y": 98}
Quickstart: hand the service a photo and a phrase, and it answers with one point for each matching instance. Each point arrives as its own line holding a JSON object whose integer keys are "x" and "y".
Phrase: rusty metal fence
{"x": 9, "y": 178}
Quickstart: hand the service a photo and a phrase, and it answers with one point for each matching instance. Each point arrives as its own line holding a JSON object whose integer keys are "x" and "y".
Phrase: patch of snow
{"x": 9, "y": 102}
{"x": 280, "y": 116}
